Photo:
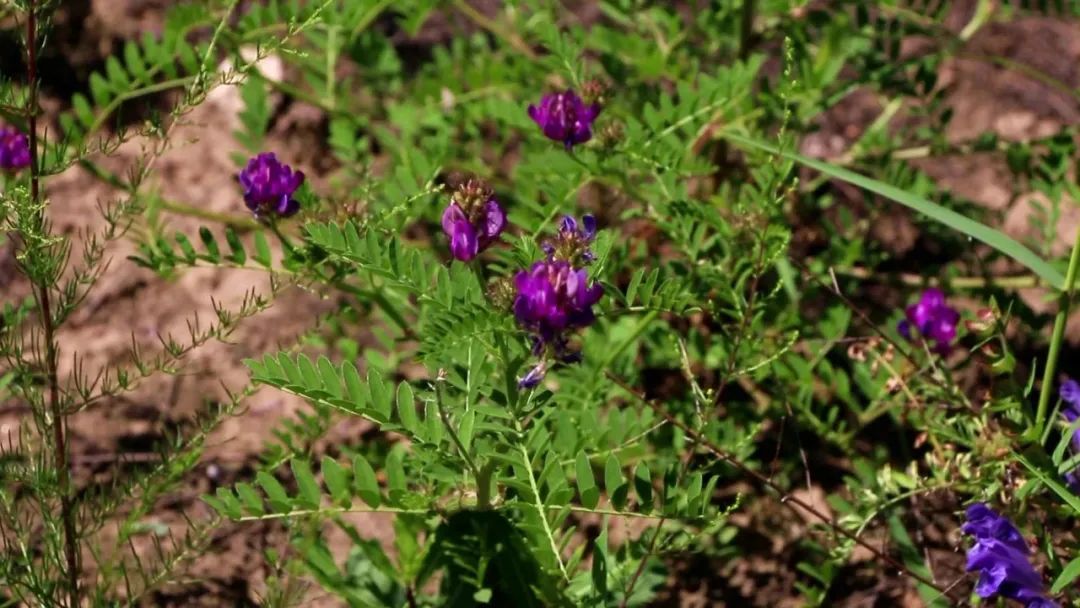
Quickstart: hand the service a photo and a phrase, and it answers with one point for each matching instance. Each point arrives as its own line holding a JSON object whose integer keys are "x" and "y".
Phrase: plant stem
{"x": 483, "y": 485}
{"x": 1021, "y": 281}
{"x": 746, "y": 28}
{"x": 481, "y": 493}
{"x": 56, "y": 416}
{"x": 1064, "y": 302}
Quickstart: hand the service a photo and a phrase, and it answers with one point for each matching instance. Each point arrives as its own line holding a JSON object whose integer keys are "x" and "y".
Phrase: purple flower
{"x": 933, "y": 318}
{"x": 534, "y": 377}
{"x": 471, "y": 235}
{"x": 552, "y": 296}
{"x": 269, "y": 186}
{"x": 14, "y": 149}
{"x": 572, "y": 243}
{"x": 1000, "y": 554}
{"x": 1070, "y": 394}
{"x": 565, "y": 117}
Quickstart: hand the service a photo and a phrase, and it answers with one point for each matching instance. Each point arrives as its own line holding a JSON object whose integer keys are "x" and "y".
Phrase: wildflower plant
{"x": 573, "y": 367}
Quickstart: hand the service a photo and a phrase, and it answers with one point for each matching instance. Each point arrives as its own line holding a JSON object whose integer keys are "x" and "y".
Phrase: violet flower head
{"x": 1000, "y": 555}
{"x": 1070, "y": 394}
{"x": 553, "y": 298}
{"x": 572, "y": 242}
{"x": 473, "y": 220}
{"x": 269, "y": 186}
{"x": 14, "y": 149}
{"x": 1070, "y": 410}
{"x": 565, "y": 117}
{"x": 935, "y": 320}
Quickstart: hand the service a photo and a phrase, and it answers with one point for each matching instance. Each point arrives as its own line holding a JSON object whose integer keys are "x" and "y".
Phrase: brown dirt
{"x": 134, "y": 304}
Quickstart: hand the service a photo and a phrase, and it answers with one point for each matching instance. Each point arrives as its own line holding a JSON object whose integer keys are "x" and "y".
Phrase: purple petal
{"x": 451, "y": 216}
{"x": 589, "y": 223}
{"x": 533, "y": 378}
{"x": 494, "y": 219}
{"x": 569, "y": 224}
{"x": 463, "y": 243}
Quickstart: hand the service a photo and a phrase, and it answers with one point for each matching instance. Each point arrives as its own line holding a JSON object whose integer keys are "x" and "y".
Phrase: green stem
{"x": 1056, "y": 339}
{"x": 916, "y": 280}
{"x": 483, "y": 485}
{"x": 461, "y": 446}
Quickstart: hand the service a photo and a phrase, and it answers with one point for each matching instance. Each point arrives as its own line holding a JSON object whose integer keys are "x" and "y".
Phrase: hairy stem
{"x": 1056, "y": 339}
{"x": 56, "y": 416}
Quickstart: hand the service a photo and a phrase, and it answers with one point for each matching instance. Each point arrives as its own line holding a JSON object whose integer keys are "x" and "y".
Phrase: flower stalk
{"x": 1057, "y": 338}
{"x": 56, "y": 417}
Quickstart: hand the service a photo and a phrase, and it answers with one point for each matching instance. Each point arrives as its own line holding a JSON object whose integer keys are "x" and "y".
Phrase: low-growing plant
{"x": 597, "y": 305}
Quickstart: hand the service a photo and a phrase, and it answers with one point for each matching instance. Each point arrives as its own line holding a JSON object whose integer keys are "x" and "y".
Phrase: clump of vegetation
{"x": 591, "y": 242}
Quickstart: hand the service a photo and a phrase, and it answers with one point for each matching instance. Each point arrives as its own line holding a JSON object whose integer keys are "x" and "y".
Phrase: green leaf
{"x": 250, "y": 497}
{"x": 600, "y": 558}
{"x": 365, "y": 483}
{"x": 590, "y": 494}
{"x": 275, "y": 492}
{"x": 214, "y": 503}
{"x": 631, "y": 289}
{"x": 434, "y": 423}
{"x": 406, "y": 406}
{"x": 262, "y": 250}
{"x": 1064, "y": 493}
{"x": 309, "y": 494}
{"x": 947, "y": 217}
{"x": 238, "y": 256}
{"x": 466, "y": 428}
{"x": 213, "y": 254}
{"x": 233, "y": 509}
{"x": 643, "y": 487}
{"x": 134, "y": 61}
{"x": 395, "y": 474}
{"x": 82, "y": 109}
{"x": 615, "y": 483}
{"x": 380, "y": 394}
{"x": 116, "y": 72}
{"x": 337, "y": 481}
{"x": 1067, "y": 576}
{"x": 329, "y": 376}
{"x": 99, "y": 89}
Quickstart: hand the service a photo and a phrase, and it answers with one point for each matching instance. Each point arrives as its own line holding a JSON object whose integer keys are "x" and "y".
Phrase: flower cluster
{"x": 572, "y": 243}
{"x": 554, "y": 297}
{"x": 1070, "y": 395}
{"x": 934, "y": 320}
{"x": 14, "y": 149}
{"x": 473, "y": 220}
{"x": 565, "y": 117}
{"x": 1000, "y": 554}
{"x": 269, "y": 186}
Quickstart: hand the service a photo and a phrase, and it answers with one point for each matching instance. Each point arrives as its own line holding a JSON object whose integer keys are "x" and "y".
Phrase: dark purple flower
{"x": 471, "y": 235}
{"x": 1070, "y": 395}
{"x": 565, "y": 117}
{"x": 1000, "y": 555}
{"x": 14, "y": 149}
{"x": 269, "y": 186}
{"x": 934, "y": 319}
{"x": 572, "y": 242}
{"x": 552, "y": 296}
{"x": 552, "y": 299}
